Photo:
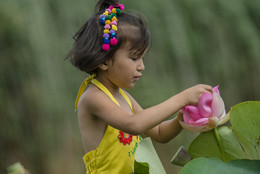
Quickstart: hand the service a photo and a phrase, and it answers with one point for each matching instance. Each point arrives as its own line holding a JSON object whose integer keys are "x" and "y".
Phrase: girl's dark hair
{"x": 87, "y": 54}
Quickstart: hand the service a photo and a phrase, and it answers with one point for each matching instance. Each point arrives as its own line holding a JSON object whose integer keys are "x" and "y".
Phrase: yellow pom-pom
{"x": 114, "y": 10}
{"x": 106, "y": 31}
{"x": 114, "y": 19}
{"x": 105, "y": 13}
{"x": 107, "y": 22}
{"x": 114, "y": 27}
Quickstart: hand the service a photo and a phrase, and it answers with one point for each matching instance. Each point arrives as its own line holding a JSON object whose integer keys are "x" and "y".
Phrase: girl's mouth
{"x": 136, "y": 78}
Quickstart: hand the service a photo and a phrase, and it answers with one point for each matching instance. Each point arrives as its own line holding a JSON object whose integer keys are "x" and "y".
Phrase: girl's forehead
{"x": 128, "y": 47}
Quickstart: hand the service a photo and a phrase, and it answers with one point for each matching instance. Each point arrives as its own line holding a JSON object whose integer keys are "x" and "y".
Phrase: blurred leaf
{"x": 141, "y": 168}
{"x": 146, "y": 154}
{"x": 216, "y": 166}
{"x": 16, "y": 168}
{"x": 245, "y": 120}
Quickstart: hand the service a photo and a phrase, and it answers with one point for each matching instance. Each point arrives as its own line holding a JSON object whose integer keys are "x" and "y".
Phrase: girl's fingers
{"x": 208, "y": 88}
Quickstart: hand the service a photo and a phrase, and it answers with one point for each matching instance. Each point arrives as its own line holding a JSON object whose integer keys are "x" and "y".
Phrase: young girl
{"x": 110, "y": 46}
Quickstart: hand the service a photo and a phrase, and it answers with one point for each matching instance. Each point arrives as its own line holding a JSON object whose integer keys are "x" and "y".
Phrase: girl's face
{"x": 125, "y": 69}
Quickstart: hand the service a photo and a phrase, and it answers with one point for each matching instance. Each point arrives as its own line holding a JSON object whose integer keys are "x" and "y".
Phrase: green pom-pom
{"x": 118, "y": 11}
{"x": 113, "y": 14}
{"x": 109, "y": 17}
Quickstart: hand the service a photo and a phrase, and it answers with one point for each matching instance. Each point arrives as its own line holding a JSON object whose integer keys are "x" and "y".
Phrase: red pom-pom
{"x": 113, "y": 41}
{"x": 105, "y": 47}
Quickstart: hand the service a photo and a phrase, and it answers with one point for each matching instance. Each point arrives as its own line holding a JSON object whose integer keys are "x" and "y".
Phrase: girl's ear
{"x": 103, "y": 66}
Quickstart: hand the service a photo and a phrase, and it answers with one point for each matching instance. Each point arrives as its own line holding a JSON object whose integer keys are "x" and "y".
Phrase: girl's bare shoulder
{"x": 91, "y": 98}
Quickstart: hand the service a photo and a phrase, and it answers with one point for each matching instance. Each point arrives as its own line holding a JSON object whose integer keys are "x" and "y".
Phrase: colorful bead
{"x": 106, "y": 35}
{"x": 118, "y": 11}
{"x": 114, "y": 19}
{"x": 107, "y": 26}
{"x": 113, "y": 15}
{"x": 109, "y": 19}
{"x": 105, "y": 47}
{"x": 114, "y": 27}
{"x": 107, "y": 22}
{"x": 113, "y": 35}
{"x": 113, "y": 41}
{"x": 111, "y": 7}
{"x": 112, "y": 31}
{"x": 109, "y": 11}
{"x": 113, "y": 22}
{"x": 102, "y": 21}
{"x": 106, "y": 31}
{"x": 105, "y": 13}
{"x": 103, "y": 16}
{"x": 122, "y": 7}
{"x": 114, "y": 10}
{"x": 106, "y": 40}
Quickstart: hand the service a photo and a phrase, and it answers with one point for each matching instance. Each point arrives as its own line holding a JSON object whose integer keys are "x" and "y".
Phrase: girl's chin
{"x": 131, "y": 85}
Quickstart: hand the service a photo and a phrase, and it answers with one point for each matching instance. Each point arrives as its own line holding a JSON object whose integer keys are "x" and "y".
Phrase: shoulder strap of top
{"x": 91, "y": 79}
{"x": 126, "y": 98}
{"x": 82, "y": 88}
{"x": 105, "y": 90}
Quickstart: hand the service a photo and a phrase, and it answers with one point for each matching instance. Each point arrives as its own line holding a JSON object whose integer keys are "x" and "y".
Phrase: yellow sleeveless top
{"x": 115, "y": 153}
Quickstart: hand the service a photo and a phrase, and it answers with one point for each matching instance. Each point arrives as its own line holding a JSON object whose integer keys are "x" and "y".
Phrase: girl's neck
{"x": 113, "y": 89}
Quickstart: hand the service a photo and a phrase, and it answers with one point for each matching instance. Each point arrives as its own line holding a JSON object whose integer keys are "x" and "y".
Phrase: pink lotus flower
{"x": 208, "y": 114}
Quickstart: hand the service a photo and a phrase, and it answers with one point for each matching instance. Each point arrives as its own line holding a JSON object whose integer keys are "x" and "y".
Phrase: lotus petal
{"x": 215, "y": 90}
{"x": 191, "y": 112}
{"x": 217, "y": 106}
{"x": 200, "y": 122}
{"x": 204, "y": 105}
{"x": 193, "y": 128}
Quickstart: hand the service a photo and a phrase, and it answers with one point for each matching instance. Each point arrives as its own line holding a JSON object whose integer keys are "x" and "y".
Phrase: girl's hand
{"x": 180, "y": 115}
{"x": 193, "y": 94}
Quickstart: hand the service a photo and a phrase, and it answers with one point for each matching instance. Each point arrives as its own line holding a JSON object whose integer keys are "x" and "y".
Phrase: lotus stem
{"x": 219, "y": 144}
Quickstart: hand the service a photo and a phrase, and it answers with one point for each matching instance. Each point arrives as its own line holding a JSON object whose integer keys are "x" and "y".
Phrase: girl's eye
{"x": 134, "y": 59}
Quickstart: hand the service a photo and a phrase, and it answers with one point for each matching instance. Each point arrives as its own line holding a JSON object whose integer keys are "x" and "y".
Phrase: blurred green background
{"x": 214, "y": 42}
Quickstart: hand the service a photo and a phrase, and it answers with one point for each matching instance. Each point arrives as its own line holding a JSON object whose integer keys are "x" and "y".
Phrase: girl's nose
{"x": 141, "y": 67}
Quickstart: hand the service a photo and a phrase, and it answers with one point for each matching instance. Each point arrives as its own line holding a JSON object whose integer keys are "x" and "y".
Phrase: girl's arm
{"x": 166, "y": 130}
{"x": 97, "y": 103}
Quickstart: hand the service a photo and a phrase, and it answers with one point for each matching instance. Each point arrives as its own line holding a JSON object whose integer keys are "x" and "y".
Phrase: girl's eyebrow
{"x": 135, "y": 53}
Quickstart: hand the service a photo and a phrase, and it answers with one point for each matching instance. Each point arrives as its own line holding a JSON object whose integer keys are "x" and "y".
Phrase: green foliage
{"x": 245, "y": 119}
{"x": 147, "y": 160}
{"x": 141, "y": 168}
{"x": 16, "y": 168}
{"x": 216, "y": 166}
{"x": 241, "y": 141}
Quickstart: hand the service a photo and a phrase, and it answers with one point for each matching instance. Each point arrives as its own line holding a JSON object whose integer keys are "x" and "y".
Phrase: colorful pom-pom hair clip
{"x": 109, "y": 20}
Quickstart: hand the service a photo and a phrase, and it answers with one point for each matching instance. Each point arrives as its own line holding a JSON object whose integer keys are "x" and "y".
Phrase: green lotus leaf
{"x": 217, "y": 166}
{"x": 147, "y": 159}
{"x": 245, "y": 120}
